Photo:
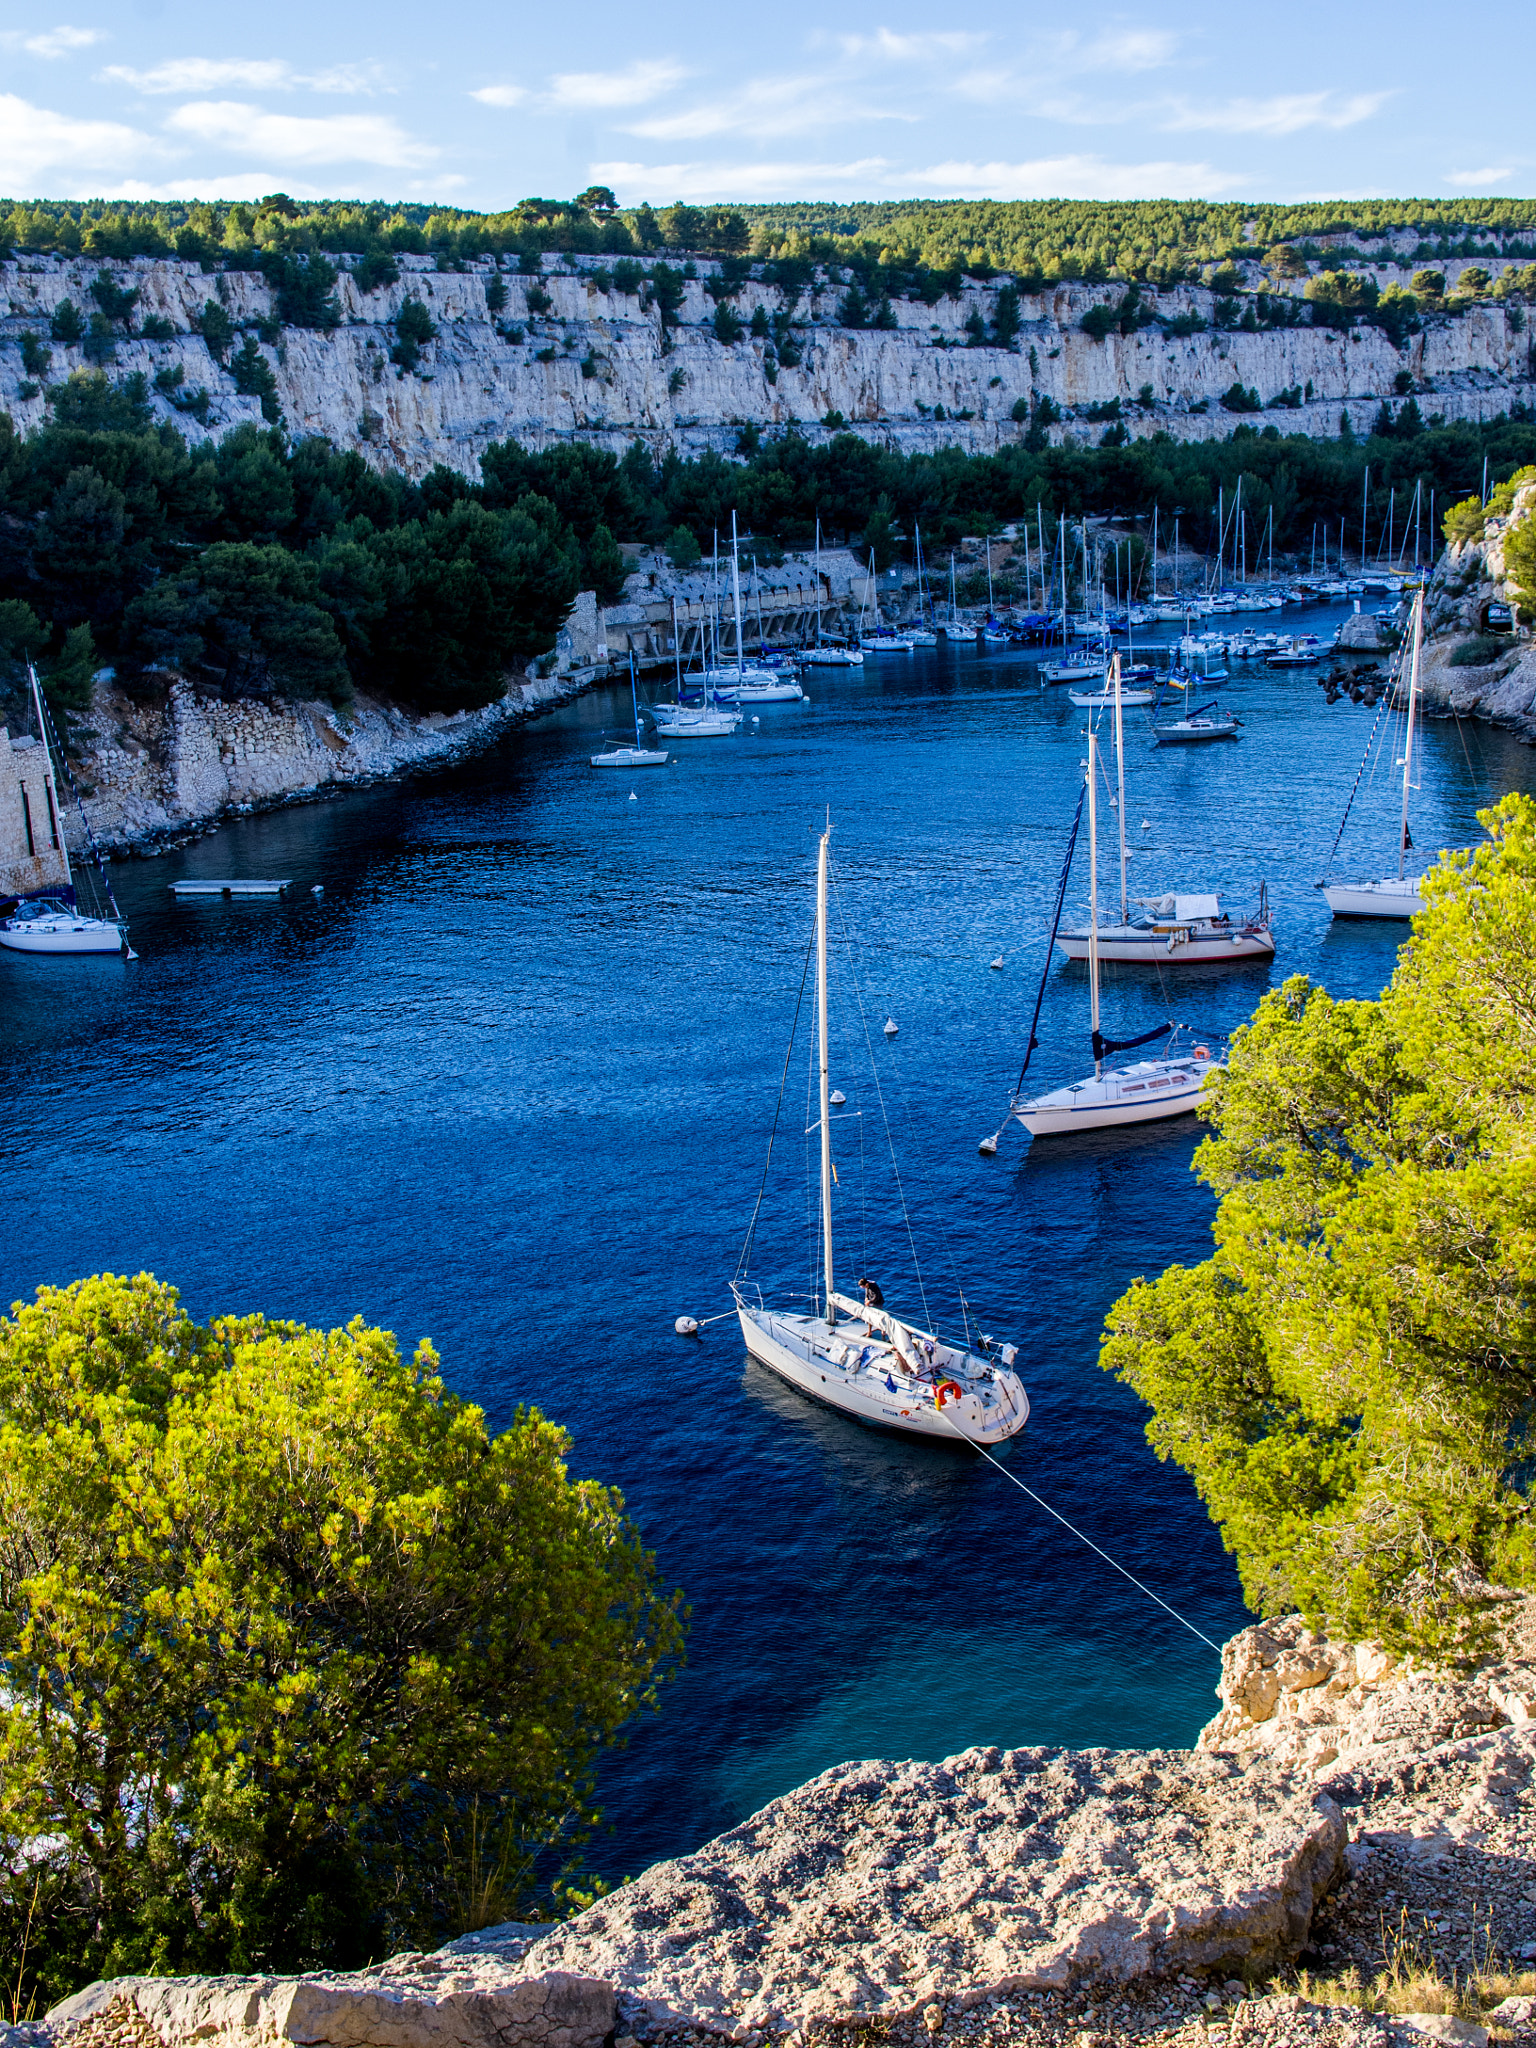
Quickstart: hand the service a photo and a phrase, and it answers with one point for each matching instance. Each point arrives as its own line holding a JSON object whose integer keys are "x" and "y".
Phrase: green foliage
{"x": 1284, "y": 261}
{"x": 116, "y": 302}
{"x": 243, "y": 619}
{"x": 879, "y": 539}
{"x": 495, "y": 296}
{"x": 304, "y": 288}
{"x": 1350, "y": 1379}
{"x": 1100, "y": 321}
{"x": 216, "y": 328}
{"x": 34, "y": 357}
{"x": 100, "y": 343}
{"x": 1465, "y": 520}
{"x": 379, "y": 268}
{"x": 1237, "y": 398}
{"x": 66, "y": 325}
{"x": 727, "y": 323}
{"x": 291, "y": 1645}
{"x": 683, "y": 549}
{"x": 1477, "y": 652}
{"x": 1006, "y": 317}
{"x": 1183, "y": 324}
{"x": 253, "y": 378}
{"x": 1429, "y": 284}
{"x": 1520, "y": 565}
{"x": 414, "y": 328}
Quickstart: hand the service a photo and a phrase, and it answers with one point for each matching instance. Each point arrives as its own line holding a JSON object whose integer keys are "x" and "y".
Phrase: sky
{"x": 479, "y": 104}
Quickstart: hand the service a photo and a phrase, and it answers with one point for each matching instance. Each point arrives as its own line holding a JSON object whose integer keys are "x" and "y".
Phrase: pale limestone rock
{"x": 878, "y": 1888}
{"x": 609, "y": 381}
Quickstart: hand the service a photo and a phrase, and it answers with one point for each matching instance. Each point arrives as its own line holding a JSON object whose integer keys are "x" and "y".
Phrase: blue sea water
{"x": 509, "y": 1083}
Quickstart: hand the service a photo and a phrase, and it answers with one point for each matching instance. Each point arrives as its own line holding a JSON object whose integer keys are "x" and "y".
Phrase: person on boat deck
{"x": 873, "y": 1298}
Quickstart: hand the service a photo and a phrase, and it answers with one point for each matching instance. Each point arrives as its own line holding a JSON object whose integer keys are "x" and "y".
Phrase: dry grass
{"x": 1413, "y": 1979}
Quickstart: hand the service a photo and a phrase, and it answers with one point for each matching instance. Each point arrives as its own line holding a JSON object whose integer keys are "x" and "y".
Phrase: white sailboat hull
{"x": 1390, "y": 898}
{"x": 921, "y": 637}
{"x": 61, "y": 934}
{"x": 770, "y": 693}
{"x": 630, "y": 757}
{"x": 832, "y": 657}
{"x": 696, "y": 725}
{"x": 802, "y": 1351}
{"x": 1142, "y": 1094}
{"x": 1074, "y": 672}
{"x": 1103, "y": 700}
{"x": 1165, "y": 943}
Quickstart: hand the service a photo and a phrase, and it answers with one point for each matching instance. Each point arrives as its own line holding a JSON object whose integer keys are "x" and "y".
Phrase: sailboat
{"x": 1399, "y": 895}
{"x": 824, "y": 654}
{"x": 1141, "y": 1093}
{"x": 639, "y": 755}
{"x": 743, "y": 682}
{"x": 1188, "y": 927}
{"x": 54, "y": 923}
{"x": 923, "y": 633}
{"x": 1089, "y": 665}
{"x": 682, "y": 721}
{"x": 857, "y": 1356}
{"x": 874, "y": 636}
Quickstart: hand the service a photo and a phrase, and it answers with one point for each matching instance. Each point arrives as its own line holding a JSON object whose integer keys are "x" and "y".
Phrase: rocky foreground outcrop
{"x": 1344, "y": 1809}
{"x": 1470, "y": 578}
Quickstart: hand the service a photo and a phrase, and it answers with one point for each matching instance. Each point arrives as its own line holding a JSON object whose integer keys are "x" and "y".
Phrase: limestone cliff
{"x": 1469, "y": 583}
{"x": 593, "y": 364}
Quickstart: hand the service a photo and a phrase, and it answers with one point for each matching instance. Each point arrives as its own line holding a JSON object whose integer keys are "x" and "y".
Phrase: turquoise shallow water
{"x": 508, "y": 1084}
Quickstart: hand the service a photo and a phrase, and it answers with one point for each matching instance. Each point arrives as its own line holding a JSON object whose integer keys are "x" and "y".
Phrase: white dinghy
{"x": 1398, "y": 895}
{"x": 53, "y": 923}
{"x": 856, "y": 1356}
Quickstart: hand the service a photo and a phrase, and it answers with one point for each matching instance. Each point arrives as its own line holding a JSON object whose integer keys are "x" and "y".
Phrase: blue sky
{"x": 480, "y": 105}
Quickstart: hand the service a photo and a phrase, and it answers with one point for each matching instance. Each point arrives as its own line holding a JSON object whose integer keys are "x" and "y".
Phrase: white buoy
{"x": 837, "y": 1098}
{"x": 686, "y": 1326}
{"x": 317, "y": 890}
{"x": 1146, "y": 824}
{"x": 633, "y": 798}
{"x": 891, "y": 1027}
{"x": 755, "y": 719}
{"x": 987, "y": 1147}
{"x": 998, "y": 963}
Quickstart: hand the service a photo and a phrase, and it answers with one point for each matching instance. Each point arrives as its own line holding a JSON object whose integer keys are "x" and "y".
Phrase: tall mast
{"x": 634, "y": 699}
{"x": 826, "y": 1103}
{"x": 1062, "y": 547}
{"x": 1093, "y": 895}
{"x": 1365, "y": 499}
{"x": 736, "y": 588}
{"x": 1154, "y": 551}
{"x": 52, "y": 784}
{"x": 1413, "y": 700}
{"x": 989, "y": 575}
{"x": 1125, "y": 906}
{"x": 757, "y": 585}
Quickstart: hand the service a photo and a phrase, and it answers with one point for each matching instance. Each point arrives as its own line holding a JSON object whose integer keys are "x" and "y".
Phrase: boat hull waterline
{"x": 1129, "y": 943}
{"x": 1389, "y": 898}
{"x": 1144, "y": 1093}
{"x": 61, "y": 934}
{"x": 799, "y": 1349}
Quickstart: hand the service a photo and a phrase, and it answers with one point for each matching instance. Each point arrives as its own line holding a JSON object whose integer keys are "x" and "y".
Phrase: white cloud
{"x": 500, "y": 95}
{"x": 52, "y": 42}
{"x": 1037, "y": 78}
{"x": 38, "y": 146}
{"x": 1281, "y": 114}
{"x": 1070, "y": 177}
{"x": 256, "y": 74}
{"x": 1481, "y": 181}
{"x": 1125, "y": 49}
{"x": 905, "y": 49}
{"x": 645, "y": 79}
{"x": 298, "y": 139}
{"x": 767, "y": 108}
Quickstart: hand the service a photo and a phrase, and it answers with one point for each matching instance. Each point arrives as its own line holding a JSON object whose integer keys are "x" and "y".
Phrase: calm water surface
{"x": 508, "y": 1084}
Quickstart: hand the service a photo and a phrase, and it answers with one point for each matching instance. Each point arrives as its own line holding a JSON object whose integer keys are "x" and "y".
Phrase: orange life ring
{"x": 947, "y": 1387}
{"x": 1202, "y": 1052}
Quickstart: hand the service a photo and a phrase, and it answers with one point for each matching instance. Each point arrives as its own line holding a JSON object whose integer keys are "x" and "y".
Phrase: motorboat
{"x": 857, "y": 1356}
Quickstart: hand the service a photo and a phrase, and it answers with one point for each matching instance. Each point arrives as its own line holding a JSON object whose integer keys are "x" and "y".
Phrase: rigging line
{"x": 789, "y": 1050}
{"x": 90, "y": 837}
{"x": 1120, "y": 1568}
{"x": 906, "y": 1214}
{"x": 1050, "y": 949}
{"x": 1355, "y": 785}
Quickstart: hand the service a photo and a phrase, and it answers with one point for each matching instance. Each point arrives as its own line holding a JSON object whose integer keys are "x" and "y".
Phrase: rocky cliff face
{"x": 1469, "y": 578}
{"x": 1039, "y": 1896}
{"x": 593, "y": 365}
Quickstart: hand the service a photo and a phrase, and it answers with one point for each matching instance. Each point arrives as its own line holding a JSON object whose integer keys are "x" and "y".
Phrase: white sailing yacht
{"x": 1138, "y": 1094}
{"x": 858, "y": 1357}
{"x": 1399, "y": 895}
{"x": 1174, "y": 926}
{"x": 639, "y": 755}
{"x": 922, "y": 634}
{"x": 744, "y": 682}
{"x": 824, "y": 654}
{"x": 54, "y": 923}
{"x": 704, "y": 721}
{"x": 874, "y": 636}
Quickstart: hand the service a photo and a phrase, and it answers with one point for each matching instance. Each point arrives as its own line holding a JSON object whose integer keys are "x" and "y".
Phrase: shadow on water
{"x": 509, "y": 1081}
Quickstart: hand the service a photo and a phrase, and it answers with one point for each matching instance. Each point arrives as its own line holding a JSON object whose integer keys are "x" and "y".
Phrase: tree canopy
{"x": 288, "y": 1641}
{"x": 1350, "y": 1378}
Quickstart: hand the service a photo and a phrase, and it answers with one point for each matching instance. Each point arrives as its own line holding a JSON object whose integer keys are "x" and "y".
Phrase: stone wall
{"x": 606, "y": 378}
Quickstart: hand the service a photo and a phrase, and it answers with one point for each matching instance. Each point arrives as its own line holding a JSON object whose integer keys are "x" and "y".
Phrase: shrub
{"x": 1101, "y": 321}
{"x": 538, "y": 299}
{"x": 1429, "y": 284}
{"x": 627, "y": 276}
{"x": 415, "y": 328}
{"x": 216, "y": 328}
{"x": 1477, "y": 652}
{"x": 728, "y": 325}
{"x": 375, "y": 270}
{"x": 254, "y": 379}
{"x": 683, "y": 548}
{"x": 834, "y": 421}
{"x": 67, "y": 326}
{"x": 34, "y": 357}
{"x": 1184, "y": 324}
{"x": 1465, "y": 520}
{"x": 1238, "y": 398}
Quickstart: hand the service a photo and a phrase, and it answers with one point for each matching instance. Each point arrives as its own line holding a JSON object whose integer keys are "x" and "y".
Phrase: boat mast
{"x": 634, "y": 699}
{"x": 818, "y": 579}
{"x": 677, "y": 651}
{"x": 989, "y": 575}
{"x": 1125, "y": 907}
{"x": 57, "y": 820}
{"x": 1413, "y": 700}
{"x": 1093, "y": 897}
{"x": 826, "y": 1103}
{"x": 736, "y": 590}
{"x": 1062, "y": 546}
